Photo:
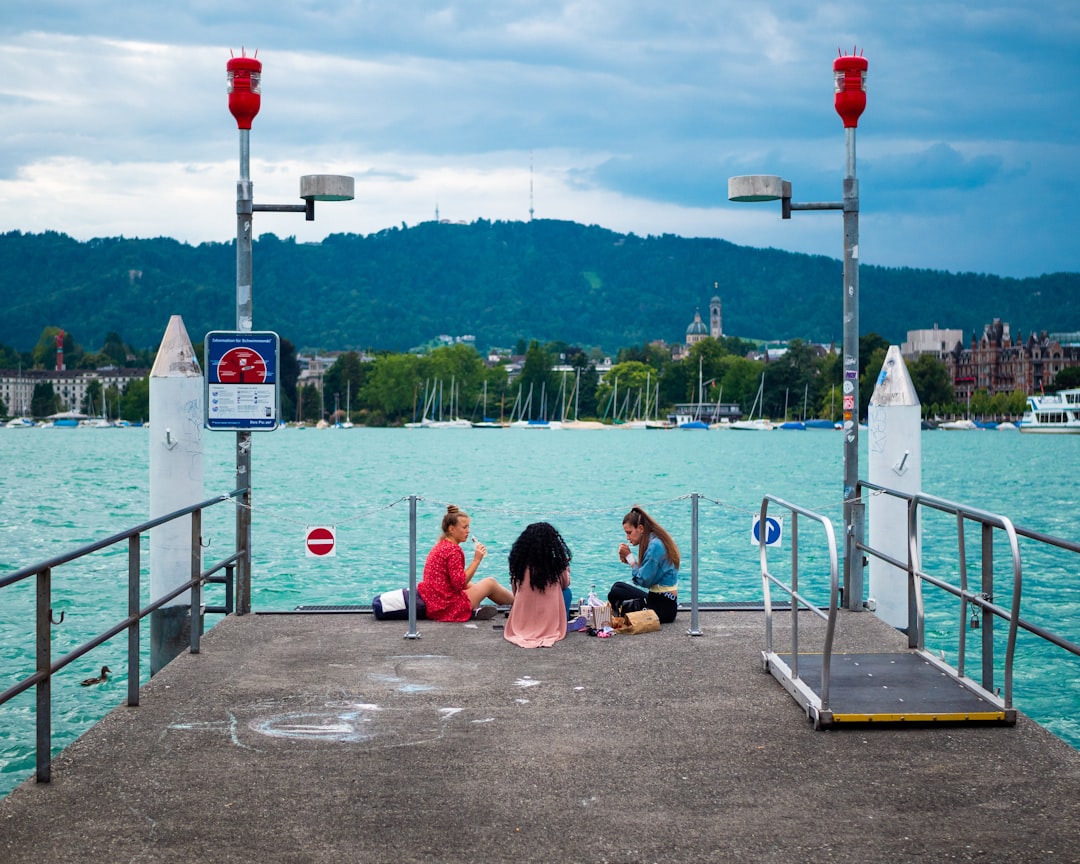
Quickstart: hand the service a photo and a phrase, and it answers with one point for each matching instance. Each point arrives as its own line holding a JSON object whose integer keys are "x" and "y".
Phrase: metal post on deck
{"x": 849, "y": 75}
{"x": 853, "y": 505}
{"x": 412, "y": 634}
{"x": 245, "y": 98}
{"x": 244, "y": 206}
{"x": 694, "y": 630}
{"x": 987, "y": 619}
{"x": 43, "y": 710}
{"x": 196, "y": 573}
{"x": 134, "y": 568}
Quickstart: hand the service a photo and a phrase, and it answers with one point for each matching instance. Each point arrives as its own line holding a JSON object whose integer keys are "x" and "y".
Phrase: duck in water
{"x": 101, "y": 679}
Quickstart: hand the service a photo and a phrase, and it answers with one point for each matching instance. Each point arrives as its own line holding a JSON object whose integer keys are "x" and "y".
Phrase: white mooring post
{"x": 176, "y": 481}
{"x": 894, "y": 430}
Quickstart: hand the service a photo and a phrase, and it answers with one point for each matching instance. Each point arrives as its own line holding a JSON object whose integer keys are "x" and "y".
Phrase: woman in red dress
{"x": 447, "y": 589}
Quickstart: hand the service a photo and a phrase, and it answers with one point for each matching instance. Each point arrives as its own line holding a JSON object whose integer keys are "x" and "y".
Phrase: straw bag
{"x": 643, "y": 621}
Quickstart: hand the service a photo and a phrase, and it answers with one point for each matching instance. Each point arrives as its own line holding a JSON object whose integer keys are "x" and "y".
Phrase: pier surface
{"x": 331, "y": 738}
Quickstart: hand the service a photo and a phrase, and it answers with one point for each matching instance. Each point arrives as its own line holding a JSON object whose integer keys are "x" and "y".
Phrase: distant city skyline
{"x": 626, "y": 115}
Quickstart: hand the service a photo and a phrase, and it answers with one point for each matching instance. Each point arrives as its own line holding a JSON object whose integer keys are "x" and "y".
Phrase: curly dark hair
{"x": 541, "y": 550}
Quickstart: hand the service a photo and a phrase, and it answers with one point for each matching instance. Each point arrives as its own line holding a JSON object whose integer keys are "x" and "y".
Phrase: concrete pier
{"x": 331, "y": 738}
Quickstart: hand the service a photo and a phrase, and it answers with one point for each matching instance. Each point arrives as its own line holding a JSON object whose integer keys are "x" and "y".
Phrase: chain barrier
{"x": 545, "y": 514}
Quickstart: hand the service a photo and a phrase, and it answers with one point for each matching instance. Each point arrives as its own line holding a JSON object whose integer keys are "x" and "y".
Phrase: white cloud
{"x": 633, "y": 114}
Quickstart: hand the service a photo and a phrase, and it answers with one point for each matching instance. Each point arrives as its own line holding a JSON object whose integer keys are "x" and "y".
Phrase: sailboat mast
{"x": 577, "y": 393}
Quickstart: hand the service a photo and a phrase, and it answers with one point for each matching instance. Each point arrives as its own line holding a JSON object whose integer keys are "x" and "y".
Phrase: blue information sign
{"x": 773, "y": 531}
{"x": 242, "y": 380}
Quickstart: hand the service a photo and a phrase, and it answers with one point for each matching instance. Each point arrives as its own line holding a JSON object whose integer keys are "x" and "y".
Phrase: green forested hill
{"x": 500, "y": 281}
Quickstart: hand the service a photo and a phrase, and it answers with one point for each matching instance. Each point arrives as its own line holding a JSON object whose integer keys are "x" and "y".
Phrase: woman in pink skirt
{"x": 539, "y": 573}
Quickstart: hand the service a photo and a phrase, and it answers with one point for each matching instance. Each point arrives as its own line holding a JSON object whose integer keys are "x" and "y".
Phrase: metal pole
{"x": 244, "y": 208}
{"x": 987, "y": 619}
{"x": 412, "y": 634}
{"x": 694, "y": 630}
{"x": 196, "y": 589}
{"x": 134, "y": 571}
{"x": 43, "y": 709}
{"x": 853, "y": 507}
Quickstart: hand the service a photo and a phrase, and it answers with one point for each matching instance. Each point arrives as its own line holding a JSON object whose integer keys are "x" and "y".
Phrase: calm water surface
{"x": 62, "y": 488}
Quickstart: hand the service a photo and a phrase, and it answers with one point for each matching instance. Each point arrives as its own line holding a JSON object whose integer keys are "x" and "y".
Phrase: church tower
{"x": 716, "y": 321}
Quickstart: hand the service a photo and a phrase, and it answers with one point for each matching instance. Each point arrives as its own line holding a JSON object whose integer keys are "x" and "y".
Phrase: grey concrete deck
{"x": 331, "y": 738}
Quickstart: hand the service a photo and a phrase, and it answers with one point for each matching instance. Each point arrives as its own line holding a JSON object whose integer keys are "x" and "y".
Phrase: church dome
{"x": 697, "y": 326}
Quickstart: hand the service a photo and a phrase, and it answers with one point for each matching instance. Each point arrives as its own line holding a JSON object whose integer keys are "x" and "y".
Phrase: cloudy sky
{"x": 630, "y": 115}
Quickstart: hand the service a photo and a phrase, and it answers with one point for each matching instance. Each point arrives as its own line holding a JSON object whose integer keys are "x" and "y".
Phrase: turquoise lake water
{"x": 62, "y": 488}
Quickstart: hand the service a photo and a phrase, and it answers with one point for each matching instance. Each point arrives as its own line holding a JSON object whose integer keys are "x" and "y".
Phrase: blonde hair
{"x": 638, "y": 517}
{"x": 451, "y": 517}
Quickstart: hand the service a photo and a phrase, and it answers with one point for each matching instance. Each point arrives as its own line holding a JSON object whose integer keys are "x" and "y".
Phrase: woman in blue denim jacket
{"x": 654, "y": 570}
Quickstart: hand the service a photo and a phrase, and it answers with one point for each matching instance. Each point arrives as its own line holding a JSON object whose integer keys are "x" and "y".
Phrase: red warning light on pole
{"x": 849, "y": 73}
{"x": 244, "y": 74}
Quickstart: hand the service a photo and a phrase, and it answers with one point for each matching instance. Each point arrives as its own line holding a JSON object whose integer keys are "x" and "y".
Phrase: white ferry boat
{"x": 1054, "y": 413}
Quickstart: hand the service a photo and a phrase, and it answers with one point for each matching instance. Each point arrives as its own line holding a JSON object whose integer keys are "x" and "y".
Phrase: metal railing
{"x": 46, "y": 667}
{"x": 982, "y": 599}
{"x": 798, "y": 600}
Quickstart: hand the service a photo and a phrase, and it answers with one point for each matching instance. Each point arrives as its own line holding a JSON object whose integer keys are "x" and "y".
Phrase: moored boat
{"x": 1053, "y": 413}
{"x": 958, "y": 425}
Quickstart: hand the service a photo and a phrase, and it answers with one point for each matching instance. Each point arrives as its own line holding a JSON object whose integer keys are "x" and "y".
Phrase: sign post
{"x": 242, "y": 381}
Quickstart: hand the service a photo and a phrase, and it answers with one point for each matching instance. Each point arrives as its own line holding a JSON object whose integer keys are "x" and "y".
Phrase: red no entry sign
{"x": 320, "y": 542}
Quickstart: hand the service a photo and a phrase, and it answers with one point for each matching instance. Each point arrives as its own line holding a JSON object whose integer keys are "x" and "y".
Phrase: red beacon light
{"x": 244, "y": 96}
{"x": 850, "y": 75}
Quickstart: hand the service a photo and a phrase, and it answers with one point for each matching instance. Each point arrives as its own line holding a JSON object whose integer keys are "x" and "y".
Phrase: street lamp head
{"x": 849, "y": 73}
{"x": 244, "y": 96}
{"x": 326, "y": 187}
{"x": 756, "y": 187}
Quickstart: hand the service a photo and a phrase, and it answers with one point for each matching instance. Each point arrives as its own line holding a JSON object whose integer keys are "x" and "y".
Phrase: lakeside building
{"x": 995, "y": 362}
{"x": 71, "y": 385}
{"x": 935, "y": 341}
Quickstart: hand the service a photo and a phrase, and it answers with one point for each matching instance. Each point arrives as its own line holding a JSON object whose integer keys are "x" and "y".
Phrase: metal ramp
{"x": 904, "y": 687}
{"x": 910, "y": 686}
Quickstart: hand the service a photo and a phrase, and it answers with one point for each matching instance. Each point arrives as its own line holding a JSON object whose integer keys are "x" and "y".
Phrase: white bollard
{"x": 176, "y": 481}
{"x": 894, "y": 436}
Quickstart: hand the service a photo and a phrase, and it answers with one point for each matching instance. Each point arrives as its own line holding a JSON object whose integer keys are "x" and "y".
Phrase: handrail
{"x": 97, "y": 545}
{"x": 46, "y": 667}
{"x": 983, "y": 599}
{"x": 793, "y": 589}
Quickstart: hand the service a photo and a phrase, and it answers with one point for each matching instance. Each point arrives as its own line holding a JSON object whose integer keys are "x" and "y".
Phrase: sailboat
{"x": 821, "y": 422}
{"x": 696, "y": 422}
{"x": 794, "y": 424}
{"x": 454, "y": 422}
{"x": 758, "y": 424}
{"x": 576, "y": 423}
{"x": 92, "y": 422}
{"x": 656, "y": 422}
{"x": 348, "y": 424}
{"x": 634, "y": 418}
{"x": 486, "y": 422}
{"x": 429, "y": 400}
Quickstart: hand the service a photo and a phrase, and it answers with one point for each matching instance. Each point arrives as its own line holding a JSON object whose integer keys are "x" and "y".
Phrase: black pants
{"x": 665, "y": 605}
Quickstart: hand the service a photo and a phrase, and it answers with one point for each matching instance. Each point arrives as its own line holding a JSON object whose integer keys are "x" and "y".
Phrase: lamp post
{"x": 849, "y": 73}
{"x": 245, "y": 98}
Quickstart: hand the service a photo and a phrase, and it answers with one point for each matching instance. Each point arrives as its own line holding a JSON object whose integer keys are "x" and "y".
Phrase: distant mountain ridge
{"x": 498, "y": 281}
